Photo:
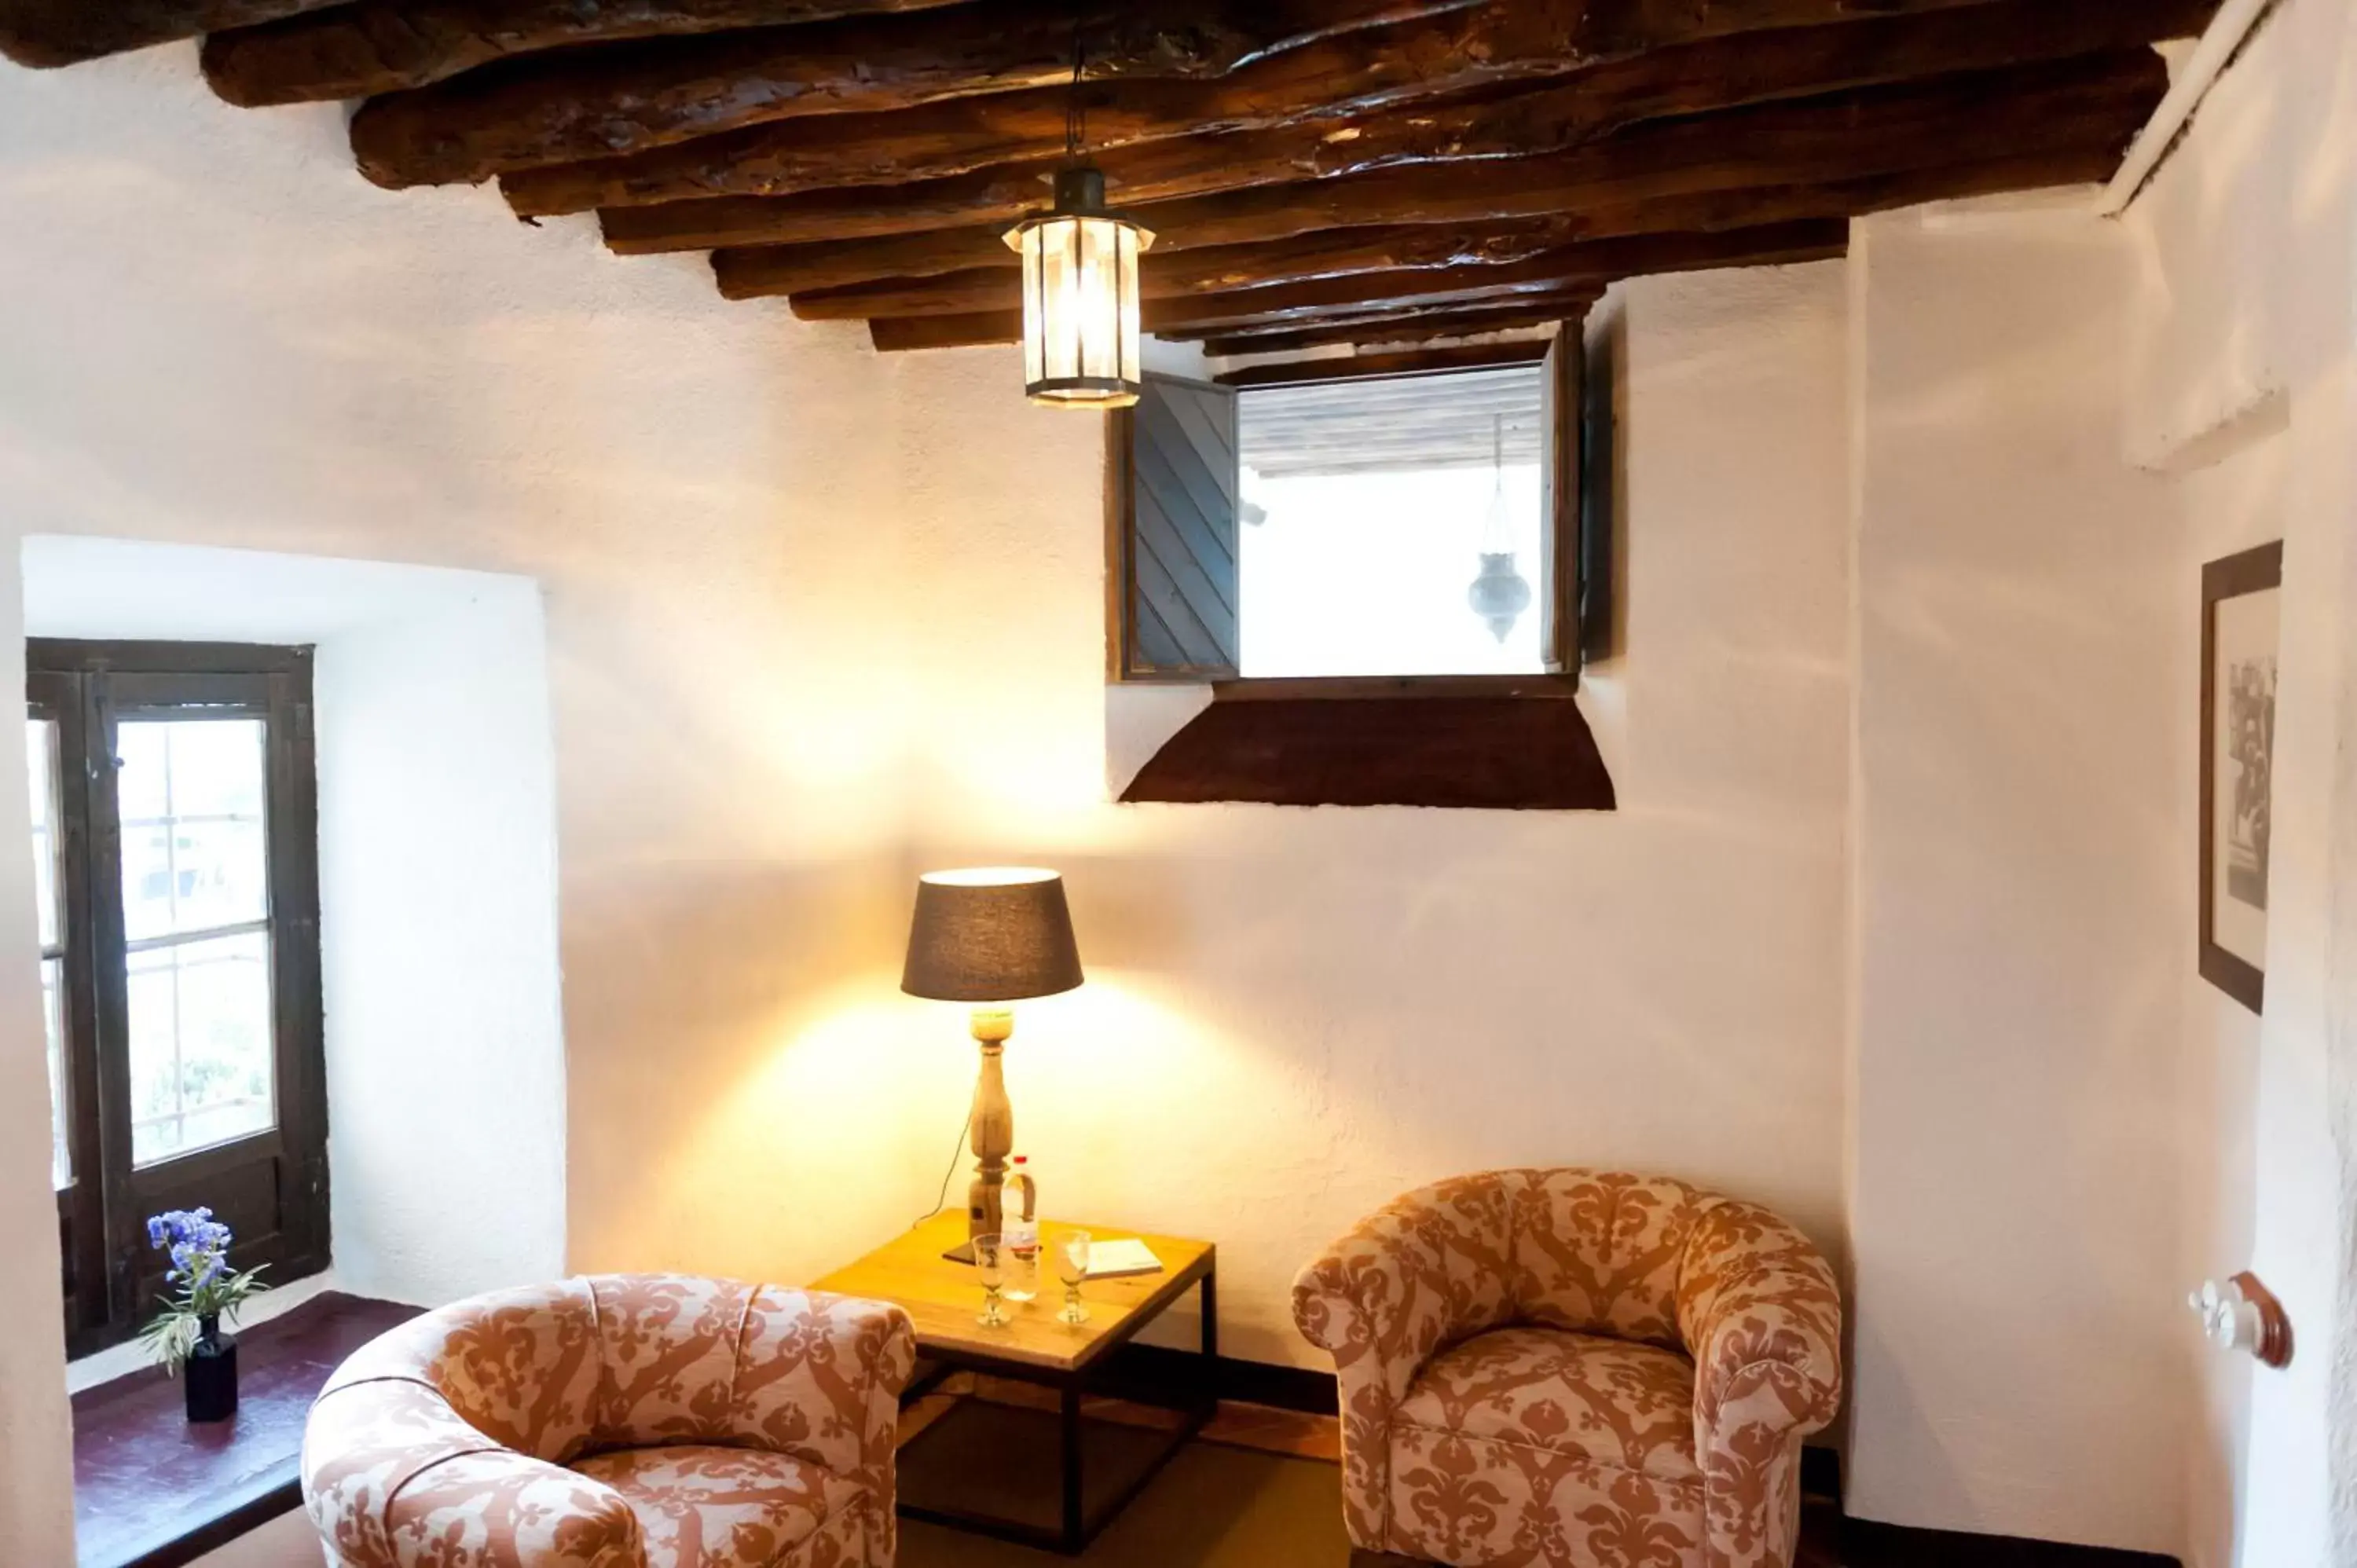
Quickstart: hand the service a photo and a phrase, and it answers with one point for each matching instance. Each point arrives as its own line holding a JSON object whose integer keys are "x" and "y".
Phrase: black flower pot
{"x": 211, "y": 1374}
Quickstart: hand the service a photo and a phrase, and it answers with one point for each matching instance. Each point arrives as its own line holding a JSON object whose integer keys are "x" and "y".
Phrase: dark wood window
{"x": 1424, "y": 518}
{"x": 175, "y": 827}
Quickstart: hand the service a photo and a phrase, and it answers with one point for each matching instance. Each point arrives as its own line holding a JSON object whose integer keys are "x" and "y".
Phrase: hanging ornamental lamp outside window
{"x": 1501, "y": 594}
{"x": 1079, "y": 287}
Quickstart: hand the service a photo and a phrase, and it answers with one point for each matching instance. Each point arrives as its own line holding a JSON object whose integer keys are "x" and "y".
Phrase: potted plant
{"x": 187, "y": 1333}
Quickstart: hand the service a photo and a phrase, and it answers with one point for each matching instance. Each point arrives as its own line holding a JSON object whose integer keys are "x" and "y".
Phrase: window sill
{"x": 152, "y": 1491}
{"x": 1475, "y": 742}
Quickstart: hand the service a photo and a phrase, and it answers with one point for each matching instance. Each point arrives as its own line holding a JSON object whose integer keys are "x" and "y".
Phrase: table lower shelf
{"x": 998, "y": 1470}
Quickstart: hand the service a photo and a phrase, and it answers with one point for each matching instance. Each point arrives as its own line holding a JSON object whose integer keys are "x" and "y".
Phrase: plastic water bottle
{"x": 1019, "y": 1229}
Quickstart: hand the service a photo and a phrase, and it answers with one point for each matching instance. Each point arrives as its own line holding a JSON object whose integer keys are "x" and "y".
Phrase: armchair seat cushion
{"x": 1611, "y": 1401}
{"x": 721, "y": 1508}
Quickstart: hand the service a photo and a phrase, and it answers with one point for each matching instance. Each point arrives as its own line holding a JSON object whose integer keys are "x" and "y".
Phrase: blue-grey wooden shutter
{"x": 1175, "y": 574}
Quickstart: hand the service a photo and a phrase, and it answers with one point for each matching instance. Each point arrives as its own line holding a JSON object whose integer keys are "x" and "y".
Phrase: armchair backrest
{"x": 1599, "y": 1252}
{"x": 638, "y": 1360}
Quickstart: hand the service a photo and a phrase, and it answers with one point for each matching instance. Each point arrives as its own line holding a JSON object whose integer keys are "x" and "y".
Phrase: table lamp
{"x": 990, "y": 935}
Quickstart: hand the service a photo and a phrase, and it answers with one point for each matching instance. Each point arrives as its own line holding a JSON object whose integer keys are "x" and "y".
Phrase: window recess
{"x": 176, "y": 847}
{"x": 1407, "y": 534}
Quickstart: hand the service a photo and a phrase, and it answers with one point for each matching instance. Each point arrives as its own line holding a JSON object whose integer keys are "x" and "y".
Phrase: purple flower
{"x": 197, "y": 1242}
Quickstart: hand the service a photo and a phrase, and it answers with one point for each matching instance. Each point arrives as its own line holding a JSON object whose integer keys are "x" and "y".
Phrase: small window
{"x": 175, "y": 840}
{"x": 1343, "y": 519}
{"x": 1389, "y": 568}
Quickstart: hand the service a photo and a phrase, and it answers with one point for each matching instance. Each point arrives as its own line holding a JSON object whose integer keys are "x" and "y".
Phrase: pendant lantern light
{"x": 1079, "y": 287}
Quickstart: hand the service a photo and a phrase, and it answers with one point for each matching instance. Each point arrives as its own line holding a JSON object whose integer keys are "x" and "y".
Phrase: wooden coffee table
{"x": 984, "y": 1479}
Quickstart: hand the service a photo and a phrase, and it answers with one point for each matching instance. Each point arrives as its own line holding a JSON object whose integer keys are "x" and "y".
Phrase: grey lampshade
{"x": 999, "y": 934}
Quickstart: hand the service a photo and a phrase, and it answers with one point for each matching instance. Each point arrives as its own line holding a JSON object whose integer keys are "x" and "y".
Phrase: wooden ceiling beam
{"x": 567, "y": 105}
{"x": 1624, "y": 191}
{"x": 1364, "y": 367}
{"x": 1226, "y": 315}
{"x": 382, "y": 46}
{"x": 1456, "y": 51}
{"x": 1274, "y": 121}
{"x": 47, "y": 33}
{"x": 2097, "y": 100}
{"x": 1336, "y": 253}
{"x": 1408, "y": 327}
{"x": 1596, "y": 263}
{"x": 762, "y": 270}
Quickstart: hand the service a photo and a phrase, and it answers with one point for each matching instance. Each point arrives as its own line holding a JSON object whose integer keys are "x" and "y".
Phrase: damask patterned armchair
{"x": 1576, "y": 1369}
{"x": 615, "y": 1421}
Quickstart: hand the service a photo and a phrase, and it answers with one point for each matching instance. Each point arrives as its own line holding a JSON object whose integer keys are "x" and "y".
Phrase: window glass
{"x": 190, "y": 792}
{"x": 41, "y": 750}
{"x": 200, "y": 1044}
{"x": 195, "y": 879}
{"x": 1393, "y": 527}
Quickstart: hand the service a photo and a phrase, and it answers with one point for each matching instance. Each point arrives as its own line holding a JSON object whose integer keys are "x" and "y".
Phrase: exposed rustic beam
{"x": 1598, "y": 263}
{"x": 1225, "y": 315}
{"x": 573, "y": 105}
{"x": 1336, "y": 253}
{"x": 381, "y": 46}
{"x": 1712, "y": 212}
{"x": 1529, "y": 312}
{"x": 761, "y": 271}
{"x": 2097, "y": 100}
{"x": 67, "y": 32}
{"x": 1414, "y": 363}
{"x": 1654, "y": 203}
{"x": 1271, "y": 123}
{"x": 1454, "y": 52}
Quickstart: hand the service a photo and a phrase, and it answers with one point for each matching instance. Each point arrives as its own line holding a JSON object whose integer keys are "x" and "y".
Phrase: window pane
{"x": 194, "y": 856}
{"x": 53, "y": 1014}
{"x": 41, "y": 750}
{"x": 200, "y": 1044}
{"x": 1393, "y": 527}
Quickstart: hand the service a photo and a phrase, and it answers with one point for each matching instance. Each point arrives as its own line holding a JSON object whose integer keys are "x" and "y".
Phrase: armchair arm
{"x": 1423, "y": 1270}
{"x": 393, "y": 1478}
{"x": 819, "y": 1377}
{"x": 1759, "y": 1313}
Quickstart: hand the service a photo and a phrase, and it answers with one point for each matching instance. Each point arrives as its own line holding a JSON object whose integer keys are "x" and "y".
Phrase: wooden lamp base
{"x": 993, "y": 1131}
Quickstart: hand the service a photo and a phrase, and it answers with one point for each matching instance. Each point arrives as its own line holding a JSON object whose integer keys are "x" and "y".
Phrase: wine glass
{"x": 990, "y": 1263}
{"x": 1073, "y": 1267}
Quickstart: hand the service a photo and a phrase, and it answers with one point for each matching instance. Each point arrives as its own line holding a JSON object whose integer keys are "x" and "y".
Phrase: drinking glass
{"x": 990, "y": 1263}
{"x": 1073, "y": 1267}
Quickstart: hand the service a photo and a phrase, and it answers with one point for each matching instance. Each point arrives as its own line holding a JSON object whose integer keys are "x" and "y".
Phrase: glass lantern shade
{"x": 1080, "y": 298}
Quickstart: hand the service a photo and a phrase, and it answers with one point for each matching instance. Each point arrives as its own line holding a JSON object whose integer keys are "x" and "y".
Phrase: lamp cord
{"x": 957, "y": 1152}
{"x": 1075, "y": 114}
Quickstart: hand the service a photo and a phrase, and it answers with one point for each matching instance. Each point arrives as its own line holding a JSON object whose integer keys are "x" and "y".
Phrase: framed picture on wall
{"x": 2242, "y": 619}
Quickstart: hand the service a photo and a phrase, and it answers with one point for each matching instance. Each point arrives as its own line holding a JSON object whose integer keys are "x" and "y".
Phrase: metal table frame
{"x": 1080, "y": 1527}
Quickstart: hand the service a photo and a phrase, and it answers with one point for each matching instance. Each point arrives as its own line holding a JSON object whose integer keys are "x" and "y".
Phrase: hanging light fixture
{"x": 1080, "y": 284}
{"x": 1501, "y": 594}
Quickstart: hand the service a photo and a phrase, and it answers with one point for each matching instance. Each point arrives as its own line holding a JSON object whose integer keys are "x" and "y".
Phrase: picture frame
{"x": 2241, "y": 620}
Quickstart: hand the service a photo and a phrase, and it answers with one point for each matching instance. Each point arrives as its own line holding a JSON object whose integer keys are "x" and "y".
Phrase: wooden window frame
{"x": 1576, "y": 573}
{"x": 110, "y": 1277}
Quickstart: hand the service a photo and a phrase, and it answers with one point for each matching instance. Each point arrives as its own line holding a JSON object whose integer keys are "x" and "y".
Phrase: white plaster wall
{"x": 2245, "y": 361}
{"x": 438, "y": 871}
{"x": 1294, "y": 1015}
{"x": 2012, "y": 1221}
{"x": 216, "y": 334}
